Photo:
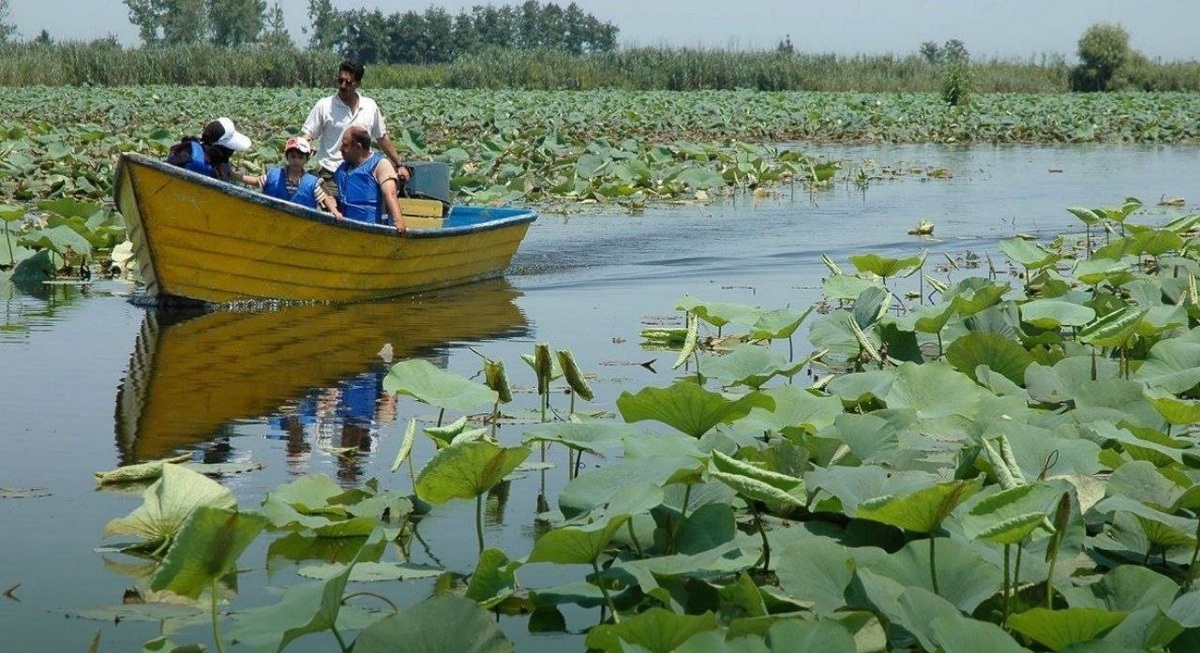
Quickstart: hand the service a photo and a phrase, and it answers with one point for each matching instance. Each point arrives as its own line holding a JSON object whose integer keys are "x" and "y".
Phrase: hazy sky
{"x": 990, "y": 28}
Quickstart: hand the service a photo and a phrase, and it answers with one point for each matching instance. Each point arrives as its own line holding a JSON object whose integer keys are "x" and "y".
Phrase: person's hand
{"x": 401, "y": 227}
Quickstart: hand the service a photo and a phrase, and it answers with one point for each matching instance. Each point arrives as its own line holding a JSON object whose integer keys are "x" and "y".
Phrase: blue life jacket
{"x": 359, "y": 195}
{"x": 306, "y": 190}
{"x": 189, "y": 155}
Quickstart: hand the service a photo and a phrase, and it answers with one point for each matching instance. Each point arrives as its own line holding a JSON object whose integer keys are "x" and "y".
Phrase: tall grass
{"x": 106, "y": 63}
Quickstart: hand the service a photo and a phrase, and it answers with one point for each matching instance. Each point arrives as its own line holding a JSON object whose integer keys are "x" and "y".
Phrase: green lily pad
{"x": 442, "y": 624}
{"x": 464, "y": 471}
{"x": 421, "y": 380}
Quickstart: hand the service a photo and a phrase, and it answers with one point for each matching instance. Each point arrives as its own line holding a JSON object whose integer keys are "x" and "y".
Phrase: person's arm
{"x": 252, "y": 180}
{"x": 385, "y": 144}
{"x": 327, "y": 202}
{"x": 385, "y": 176}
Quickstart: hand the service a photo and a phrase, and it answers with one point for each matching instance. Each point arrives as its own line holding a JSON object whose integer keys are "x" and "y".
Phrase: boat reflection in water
{"x": 315, "y": 372}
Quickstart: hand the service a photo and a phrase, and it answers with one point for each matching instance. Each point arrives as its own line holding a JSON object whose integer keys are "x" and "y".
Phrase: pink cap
{"x": 299, "y": 144}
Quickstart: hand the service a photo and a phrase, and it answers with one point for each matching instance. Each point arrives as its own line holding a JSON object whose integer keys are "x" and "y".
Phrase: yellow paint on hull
{"x": 190, "y": 375}
{"x": 202, "y": 239}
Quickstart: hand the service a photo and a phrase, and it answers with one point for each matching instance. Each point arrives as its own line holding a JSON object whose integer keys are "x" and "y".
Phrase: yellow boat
{"x": 192, "y": 373}
{"x": 197, "y": 238}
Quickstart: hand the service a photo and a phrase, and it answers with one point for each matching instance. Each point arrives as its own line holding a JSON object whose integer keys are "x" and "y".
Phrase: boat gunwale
{"x": 301, "y": 212}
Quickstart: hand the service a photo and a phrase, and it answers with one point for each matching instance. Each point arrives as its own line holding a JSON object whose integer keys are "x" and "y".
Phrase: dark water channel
{"x": 90, "y": 381}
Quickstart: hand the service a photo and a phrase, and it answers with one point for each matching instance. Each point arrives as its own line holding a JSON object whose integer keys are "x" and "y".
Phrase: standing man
{"x": 330, "y": 118}
{"x": 366, "y": 182}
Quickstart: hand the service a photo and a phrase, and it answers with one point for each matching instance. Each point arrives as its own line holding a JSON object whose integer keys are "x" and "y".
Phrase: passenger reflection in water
{"x": 345, "y": 417}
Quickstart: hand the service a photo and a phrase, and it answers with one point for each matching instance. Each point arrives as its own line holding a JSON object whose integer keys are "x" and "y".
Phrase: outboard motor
{"x": 429, "y": 180}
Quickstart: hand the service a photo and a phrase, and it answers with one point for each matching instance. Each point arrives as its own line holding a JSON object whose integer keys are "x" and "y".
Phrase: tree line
{"x": 372, "y": 37}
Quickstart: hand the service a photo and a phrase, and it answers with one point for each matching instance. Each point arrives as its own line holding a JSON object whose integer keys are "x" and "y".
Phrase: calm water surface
{"x": 91, "y": 381}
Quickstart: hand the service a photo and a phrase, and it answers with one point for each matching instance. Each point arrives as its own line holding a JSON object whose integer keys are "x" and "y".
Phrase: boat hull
{"x": 193, "y": 374}
{"x": 200, "y": 239}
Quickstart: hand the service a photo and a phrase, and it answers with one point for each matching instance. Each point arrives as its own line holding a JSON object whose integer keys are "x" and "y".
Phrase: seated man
{"x": 366, "y": 182}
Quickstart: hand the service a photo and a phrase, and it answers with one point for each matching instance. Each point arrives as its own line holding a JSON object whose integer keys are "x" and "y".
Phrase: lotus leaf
{"x": 419, "y": 379}
{"x": 304, "y": 609}
{"x": 719, "y": 314}
{"x": 1055, "y": 313}
{"x": 1127, "y": 588}
{"x": 749, "y": 365}
{"x": 921, "y": 511}
{"x": 460, "y": 625}
{"x": 1161, "y": 529}
{"x": 1012, "y": 515}
{"x": 688, "y": 407}
{"x": 933, "y": 390}
{"x": 780, "y": 323}
{"x": 885, "y": 267}
{"x": 1114, "y": 329}
{"x": 576, "y": 545}
{"x": 1097, "y": 270}
{"x": 1029, "y": 255}
{"x": 656, "y": 630}
{"x": 819, "y": 570}
{"x": 168, "y": 503}
{"x": 467, "y": 470}
{"x": 206, "y": 549}
{"x": 371, "y": 572}
{"x": 494, "y": 578}
{"x": 796, "y": 411}
{"x": 996, "y": 352}
{"x": 845, "y": 286}
{"x": 1058, "y": 629}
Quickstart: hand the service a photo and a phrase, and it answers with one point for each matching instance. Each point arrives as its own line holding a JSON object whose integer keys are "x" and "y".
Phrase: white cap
{"x": 222, "y": 132}
{"x": 298, "y": 143}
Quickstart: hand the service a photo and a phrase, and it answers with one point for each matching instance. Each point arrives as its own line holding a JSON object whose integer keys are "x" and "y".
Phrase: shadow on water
{"x": 192, "y": 374}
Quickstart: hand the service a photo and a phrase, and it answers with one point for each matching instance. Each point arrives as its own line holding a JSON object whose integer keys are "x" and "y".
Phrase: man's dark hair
{"x": 354, "y": 68}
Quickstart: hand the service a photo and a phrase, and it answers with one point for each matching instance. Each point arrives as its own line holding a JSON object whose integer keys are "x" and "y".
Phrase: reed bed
{"x": 106, "y": 63}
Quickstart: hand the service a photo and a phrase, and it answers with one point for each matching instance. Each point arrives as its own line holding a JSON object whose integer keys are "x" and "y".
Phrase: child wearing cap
{"x": 290, "y": 182}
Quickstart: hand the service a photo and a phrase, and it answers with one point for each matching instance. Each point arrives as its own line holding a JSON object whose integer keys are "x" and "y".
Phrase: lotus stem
{"x": 687, "y": 495}
{"x": 578, "y": 463}
{"x": 1007, "y": 586}
{"x": 216, "y": 631}
{"x": 8, "y": 239}
{"x": 495, "y": 418}
{"x": 933, "y": 562}
{"x": 762, "y": 532}
{"x": 395, "y": 608}
{"x": 1017, "y": 569}
{"x": 1191, "y": 572}
{"x": 441, "y": 414}
{"x": 604, "y": 590}
{"x": 637, "y": 545}
{"x": 479, "y": 521}
{"x": 1050, "y": 582}
{"x": 338, "y": 636}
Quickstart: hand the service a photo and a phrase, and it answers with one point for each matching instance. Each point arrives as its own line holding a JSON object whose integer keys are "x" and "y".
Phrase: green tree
{"x": 146, "y": 15}
{"x": 325, "y": 24}
{"x": 236, "y": 22}
{"x": 956, "y": 77}
{"x": 43, "y": 38}
{"x": 1103, "y": 49}
{"x": 171, "y": 22}
{"x": 365, "y": 35}
{"x": 275, "y": 35}
{"x": 7, "y": 29}
{"x": 184, "y": 21}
